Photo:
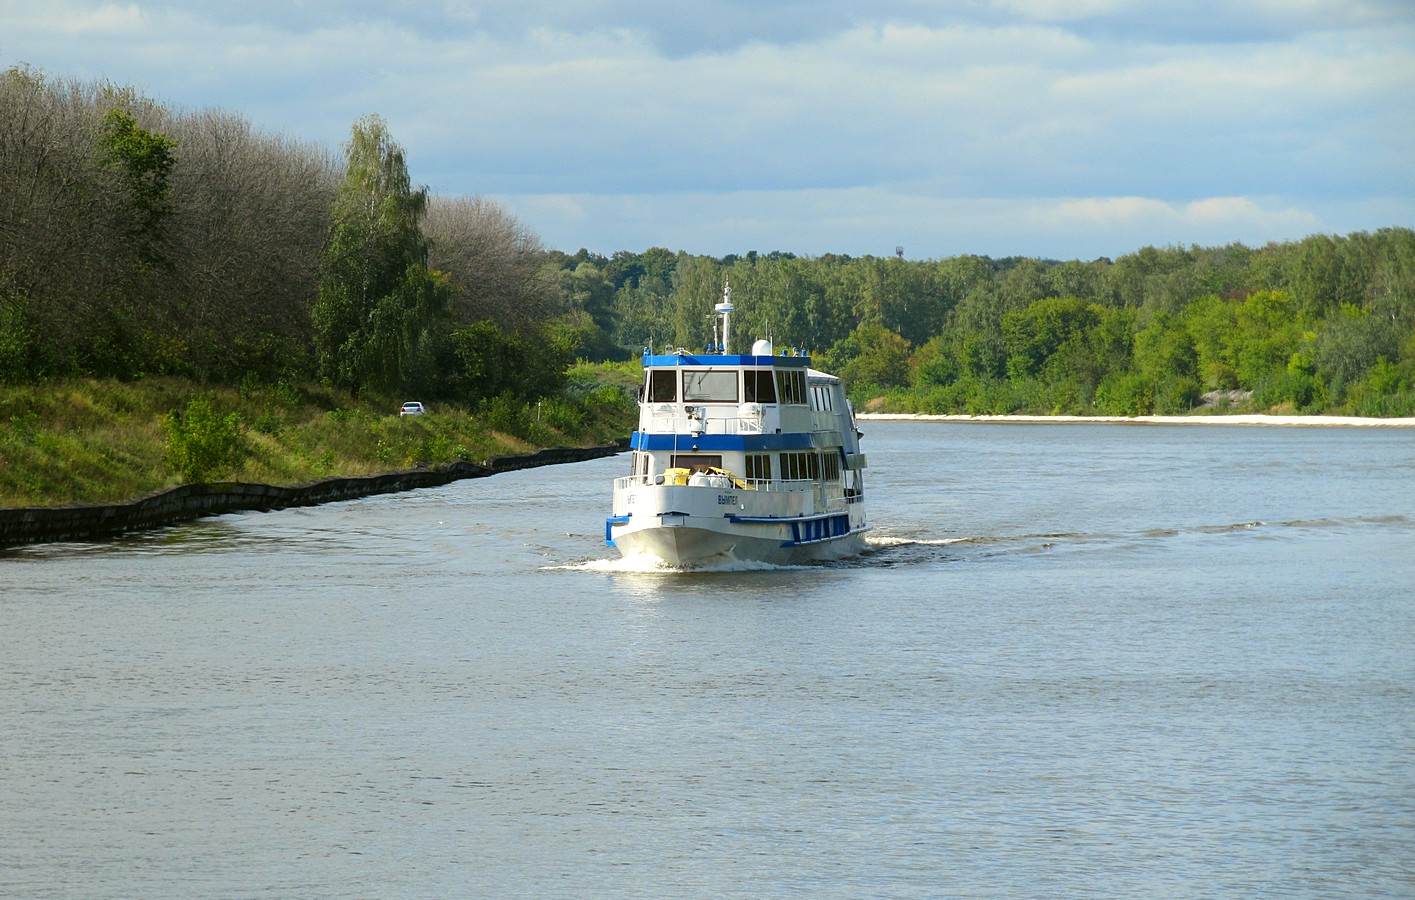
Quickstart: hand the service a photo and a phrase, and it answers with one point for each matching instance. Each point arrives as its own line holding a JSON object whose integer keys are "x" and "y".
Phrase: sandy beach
{"x": 1261, "y": 420}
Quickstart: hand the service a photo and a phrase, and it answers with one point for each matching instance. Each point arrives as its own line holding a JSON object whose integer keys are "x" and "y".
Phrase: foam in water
{"x": 885, "y": 541}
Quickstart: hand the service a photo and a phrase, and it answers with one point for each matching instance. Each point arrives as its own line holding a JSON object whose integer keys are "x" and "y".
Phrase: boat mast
{"x": 725, "y": 307}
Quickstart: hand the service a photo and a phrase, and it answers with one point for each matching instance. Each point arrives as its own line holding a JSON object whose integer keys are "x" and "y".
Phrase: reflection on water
{"x": 1072, "y": 662}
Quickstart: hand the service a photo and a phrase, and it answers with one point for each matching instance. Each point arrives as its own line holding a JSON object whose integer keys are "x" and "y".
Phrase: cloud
{"x": 821, "y": 120}
{"x": 874, "y": 220}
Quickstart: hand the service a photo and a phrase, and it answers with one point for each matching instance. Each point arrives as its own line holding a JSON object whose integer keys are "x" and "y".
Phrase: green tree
{"x": 936, "y": 362}
{"x": 591, "y": 297}
{"x": 378, "y": 301}
{"x": 1211, "y": 323}
{"x": 1269, "y": 330}
{"x": 872, "y": 356}
{"x": 490, "y": 362}
{"x": 1165, "y": 376}
{"x": 1041, "y": 331}
{"x": 144, "y": 161}
{"x": 15, "y": 339}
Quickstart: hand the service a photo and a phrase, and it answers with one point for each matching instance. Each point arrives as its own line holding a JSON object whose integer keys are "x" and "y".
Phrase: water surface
{"x": 1078, "y": 661}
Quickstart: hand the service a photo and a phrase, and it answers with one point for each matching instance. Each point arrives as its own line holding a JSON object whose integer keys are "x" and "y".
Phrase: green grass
{"x": 88, "y": 441}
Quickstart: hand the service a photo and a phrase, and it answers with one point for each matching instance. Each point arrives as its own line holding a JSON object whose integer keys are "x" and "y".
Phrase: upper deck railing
{"x": 673, "y": 419}
{"x": 748, "y": 418}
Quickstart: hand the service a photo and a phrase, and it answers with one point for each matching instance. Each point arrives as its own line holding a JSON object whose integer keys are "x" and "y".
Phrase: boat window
{"x": 697, "y": 462}
{"x": 791, "y": 387}
{"x": 820, "y": 397}
{"x": 758, "y": 386}
{"x": 663, "y": 385}
{"x": 759, "y": 466}
{"x": 707, "y": 386}
{"x": 854, "y": 484}
{"x": 831, "y": 464}
{"x": 800, "y": 467}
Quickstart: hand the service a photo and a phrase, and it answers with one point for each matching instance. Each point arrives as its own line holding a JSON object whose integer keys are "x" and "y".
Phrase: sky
{"x": 1060, "y": 129}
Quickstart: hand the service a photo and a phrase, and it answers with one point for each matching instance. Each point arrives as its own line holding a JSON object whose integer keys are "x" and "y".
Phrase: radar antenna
{"x": 725, "y": 308}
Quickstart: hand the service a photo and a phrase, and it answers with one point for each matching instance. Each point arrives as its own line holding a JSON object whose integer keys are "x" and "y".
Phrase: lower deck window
{"x": 759, "y": 466}
{"x": 697, "y": 462}
{"x": 800, "y": 466}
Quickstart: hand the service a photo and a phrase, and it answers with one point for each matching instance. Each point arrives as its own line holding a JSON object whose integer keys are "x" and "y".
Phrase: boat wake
{"x": 889, "y": 550}
{"x": 884, "y": 549}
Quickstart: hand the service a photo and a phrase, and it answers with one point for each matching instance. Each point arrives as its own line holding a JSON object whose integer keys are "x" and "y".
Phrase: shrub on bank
{"x": 202, "y": 444}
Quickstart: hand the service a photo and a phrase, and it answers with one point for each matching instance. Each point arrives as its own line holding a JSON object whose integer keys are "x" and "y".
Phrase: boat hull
{"x": 686, "y": 546}
{"x": 691, "y": 526}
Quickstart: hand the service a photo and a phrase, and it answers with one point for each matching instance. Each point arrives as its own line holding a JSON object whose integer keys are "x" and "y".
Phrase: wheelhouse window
{"x": 758, "y": 386}
{"x": 707, "y": 386}
{"x": 791, "y": 386}
{"x": 663, "y": 385}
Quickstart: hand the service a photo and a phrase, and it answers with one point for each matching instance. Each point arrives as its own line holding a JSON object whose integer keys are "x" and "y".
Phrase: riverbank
{"x": 1247, "y": 419}
{"x": 183, "y": 503}
{"x": 84, "y": 441}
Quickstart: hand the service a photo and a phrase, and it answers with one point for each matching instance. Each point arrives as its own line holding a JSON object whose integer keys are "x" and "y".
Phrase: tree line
{"x": 137, "y": 239}
{"x": 1326, "y": 323}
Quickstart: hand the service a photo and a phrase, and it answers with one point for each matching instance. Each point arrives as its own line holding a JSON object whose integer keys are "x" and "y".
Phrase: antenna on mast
{"x": 725, "y": 308}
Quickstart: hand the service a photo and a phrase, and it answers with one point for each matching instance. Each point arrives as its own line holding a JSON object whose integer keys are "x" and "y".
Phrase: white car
{"x": 411, "y": 408}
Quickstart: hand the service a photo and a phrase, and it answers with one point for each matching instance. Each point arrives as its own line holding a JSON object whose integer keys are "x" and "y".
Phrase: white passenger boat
{"x": 749, "y": 457}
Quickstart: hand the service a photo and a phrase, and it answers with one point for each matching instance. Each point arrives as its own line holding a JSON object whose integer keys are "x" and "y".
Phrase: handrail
{"x": 679, "y": 422}
{"x": 675, "y": 423}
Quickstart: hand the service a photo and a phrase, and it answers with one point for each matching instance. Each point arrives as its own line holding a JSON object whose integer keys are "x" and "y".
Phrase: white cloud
{"x": 873, "y": 220}
{"x": 1061, "y": 10}
{"x": 798, "y": 130}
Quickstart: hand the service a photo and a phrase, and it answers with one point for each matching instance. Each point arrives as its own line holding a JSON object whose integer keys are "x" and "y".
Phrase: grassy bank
{"x": 86, "y": 441}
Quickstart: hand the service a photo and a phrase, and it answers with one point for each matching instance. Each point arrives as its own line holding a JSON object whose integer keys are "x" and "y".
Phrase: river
{"x": 1079, "y": 660}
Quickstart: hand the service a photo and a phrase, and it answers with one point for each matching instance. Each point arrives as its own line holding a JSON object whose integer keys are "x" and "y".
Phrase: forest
{"x": 1324, "y": 324}
{"x": 138, "y": 240}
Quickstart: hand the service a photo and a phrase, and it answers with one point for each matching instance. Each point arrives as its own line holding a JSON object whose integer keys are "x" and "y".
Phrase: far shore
{"x": 1236, "y": 419}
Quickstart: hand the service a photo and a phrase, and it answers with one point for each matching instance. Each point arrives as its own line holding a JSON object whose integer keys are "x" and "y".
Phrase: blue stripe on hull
{"x": 823, "y": 528}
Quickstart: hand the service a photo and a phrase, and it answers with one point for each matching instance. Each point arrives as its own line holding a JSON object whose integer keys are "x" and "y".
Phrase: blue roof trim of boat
{"x": 719, "y": 359}
{"x": 684, "y": 442}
